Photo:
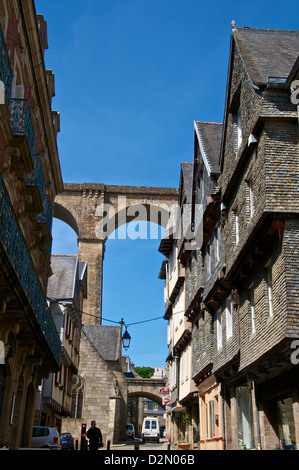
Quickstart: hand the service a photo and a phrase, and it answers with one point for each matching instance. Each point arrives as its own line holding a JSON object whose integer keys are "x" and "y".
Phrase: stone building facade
{"x": 241, "y": 282}
{"x": 65, "y": 294}
{"x": 259, "y": 195}
{"x": 30, "y": 178}
{"x": 102, "y": 384}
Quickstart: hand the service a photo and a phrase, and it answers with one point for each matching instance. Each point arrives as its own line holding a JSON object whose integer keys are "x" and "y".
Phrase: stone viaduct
{"x": 148, "y": 388}
{"x": 95, "y": 211}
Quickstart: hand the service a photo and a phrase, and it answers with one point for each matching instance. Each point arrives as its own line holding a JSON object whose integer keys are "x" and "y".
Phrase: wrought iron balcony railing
{"x": 6, "y": 72}
{"x": 46, "y": 219}
{"x": 13, "y": 242}
{"x": 21, "y": 121}
{"x": 46, "y": 216}
{"x": 36, "y": 178}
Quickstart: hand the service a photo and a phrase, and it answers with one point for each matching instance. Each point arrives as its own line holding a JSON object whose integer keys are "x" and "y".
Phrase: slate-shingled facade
{"x": 242, "y": 282}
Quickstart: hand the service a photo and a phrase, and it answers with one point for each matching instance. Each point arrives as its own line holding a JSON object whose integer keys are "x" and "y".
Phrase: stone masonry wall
{"x": 105, "y": 396}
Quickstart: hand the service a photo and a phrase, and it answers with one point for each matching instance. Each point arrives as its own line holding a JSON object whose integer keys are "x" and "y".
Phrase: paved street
{"x": 131, "y": 445}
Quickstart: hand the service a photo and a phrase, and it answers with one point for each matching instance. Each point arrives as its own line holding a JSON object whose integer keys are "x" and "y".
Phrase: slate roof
{"x": 106, "y": 340}
{"x": 61, "y": 284}
{"x": 186, "y": 181}
{"x": 267, "y": 53}
{"x": 210, "y": 134}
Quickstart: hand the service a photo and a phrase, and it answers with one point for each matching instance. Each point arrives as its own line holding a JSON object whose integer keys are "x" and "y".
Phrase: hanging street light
{"x": 126, "y": 339}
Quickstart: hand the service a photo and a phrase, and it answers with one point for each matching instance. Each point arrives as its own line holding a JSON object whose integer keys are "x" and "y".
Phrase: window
{"x": 245, "y": 417}
{"x": 211, "y": 420}
{"x": 269, "y": 290}
{"x": 236, "y": 226}
{"x": 252, "y": 310}
{"x": 219, "y": 329}
{"x": 208, "y": 260}
{"x": 249, "y": 198}
{"x": 217, "y": 245}
{"x": 229, "y": 319}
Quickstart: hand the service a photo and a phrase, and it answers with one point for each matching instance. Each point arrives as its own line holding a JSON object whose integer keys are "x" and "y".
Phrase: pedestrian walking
{"x": 95, "y": 436}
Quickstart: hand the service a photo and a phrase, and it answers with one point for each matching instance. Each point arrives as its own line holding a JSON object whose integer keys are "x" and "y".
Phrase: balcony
{"x": 35, "y": 181}
{"x": 6, "y": 73}
{"x": 44, "y": 220}
{"x": 14, "y": 246}
{"x": 21, "y": 121}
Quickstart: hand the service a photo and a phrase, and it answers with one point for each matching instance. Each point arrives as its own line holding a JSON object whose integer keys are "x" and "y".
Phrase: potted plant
{"x": 182, "y": 444}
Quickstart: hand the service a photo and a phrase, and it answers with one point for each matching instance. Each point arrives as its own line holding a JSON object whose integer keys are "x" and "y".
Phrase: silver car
{"x": 44, "y": 437}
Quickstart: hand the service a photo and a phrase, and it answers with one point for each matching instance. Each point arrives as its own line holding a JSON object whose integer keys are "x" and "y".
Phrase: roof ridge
{"x": 209, "y": 122}
{"x": 248, "y": 28}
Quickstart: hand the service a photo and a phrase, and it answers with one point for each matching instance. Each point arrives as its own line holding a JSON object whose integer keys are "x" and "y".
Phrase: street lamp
{"x": 126, "y": 339}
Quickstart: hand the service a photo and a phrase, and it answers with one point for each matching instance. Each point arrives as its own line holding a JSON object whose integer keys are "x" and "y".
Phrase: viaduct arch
{"x": 147, "y": 388}
{"x": 94, "y": 211}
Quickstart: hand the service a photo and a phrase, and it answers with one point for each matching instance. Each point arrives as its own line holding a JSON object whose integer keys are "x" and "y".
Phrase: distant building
{"x": 66, "y": 290}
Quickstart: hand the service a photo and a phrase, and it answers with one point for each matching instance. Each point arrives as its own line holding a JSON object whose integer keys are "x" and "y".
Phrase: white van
{"x": 150, "y": 429}
{"x": 130, "y": 431}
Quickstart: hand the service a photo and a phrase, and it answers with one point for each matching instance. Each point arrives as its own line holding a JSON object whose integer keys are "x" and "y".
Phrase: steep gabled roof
{"x": 105, "y": 339}
{"x": 62, "y": 283}
{"x": 209, "y": 135}
{"x": 186, "y": 182}
{"x": 267, "y": 53}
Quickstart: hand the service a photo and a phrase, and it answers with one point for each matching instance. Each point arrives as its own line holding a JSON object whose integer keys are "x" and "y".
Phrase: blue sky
{"x": 132, "y": 76}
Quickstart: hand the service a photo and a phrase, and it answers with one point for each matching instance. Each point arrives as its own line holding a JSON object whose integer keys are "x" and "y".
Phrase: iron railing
{"x": 6, "y": 72}
{"x": 46, "y": 218}
{"x": 36, "y": 178}
{"x": 13, "y": 242}
{"x": 21, "y": 121}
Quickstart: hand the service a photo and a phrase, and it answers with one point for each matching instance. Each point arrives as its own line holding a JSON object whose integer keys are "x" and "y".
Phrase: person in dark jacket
{"x": 95, "y": 437}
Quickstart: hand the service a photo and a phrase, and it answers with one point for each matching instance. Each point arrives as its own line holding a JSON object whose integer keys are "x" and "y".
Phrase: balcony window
{"x": 21, "y": 121}
{"x": 6, "y": 72}
{"x": 36, "y": 178}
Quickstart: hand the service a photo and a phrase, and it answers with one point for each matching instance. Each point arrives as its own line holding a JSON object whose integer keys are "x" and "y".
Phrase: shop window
{"x": 245, "y": 417}
{"x": 2, "y": 385}
{"x": 286, "y": 427}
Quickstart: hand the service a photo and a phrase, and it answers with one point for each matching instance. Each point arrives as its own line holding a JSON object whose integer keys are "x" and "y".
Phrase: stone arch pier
{"x": 95, "y": 211}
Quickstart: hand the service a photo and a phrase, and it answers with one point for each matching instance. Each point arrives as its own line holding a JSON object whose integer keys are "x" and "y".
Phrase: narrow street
{"x": 137, "y": 444}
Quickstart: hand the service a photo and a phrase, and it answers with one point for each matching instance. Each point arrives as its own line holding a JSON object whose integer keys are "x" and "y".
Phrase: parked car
{"x": 44, "y": 437}
{"x": 150, "y": 429}
{"x": 130, "y": 431}
{"x": 67, "y": 441}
